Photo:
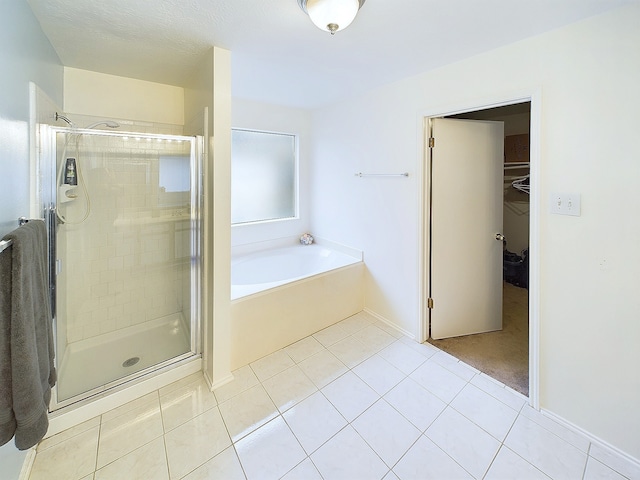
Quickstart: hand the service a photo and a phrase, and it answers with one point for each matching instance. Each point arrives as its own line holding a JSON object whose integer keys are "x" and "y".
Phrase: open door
{"x": 466, "y": 245}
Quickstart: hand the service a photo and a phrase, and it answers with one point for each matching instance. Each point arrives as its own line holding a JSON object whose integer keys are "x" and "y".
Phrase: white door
{"x": 466, "y": 216}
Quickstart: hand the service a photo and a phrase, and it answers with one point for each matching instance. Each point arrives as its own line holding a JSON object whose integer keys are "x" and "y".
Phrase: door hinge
{"x": 430, "y": 303}
{"x": 432, "y": 142}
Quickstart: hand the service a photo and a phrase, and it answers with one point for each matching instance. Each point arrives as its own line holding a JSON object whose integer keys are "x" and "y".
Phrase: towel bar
{"x": 4, "y": 244}
{"x": 360, "y": 174}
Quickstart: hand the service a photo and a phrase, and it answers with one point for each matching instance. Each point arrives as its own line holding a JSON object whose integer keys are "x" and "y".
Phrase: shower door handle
{"x": 52, "y": 228}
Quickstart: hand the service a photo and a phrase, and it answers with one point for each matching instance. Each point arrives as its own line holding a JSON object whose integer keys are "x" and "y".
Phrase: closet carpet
{"x": 503, "y": 355}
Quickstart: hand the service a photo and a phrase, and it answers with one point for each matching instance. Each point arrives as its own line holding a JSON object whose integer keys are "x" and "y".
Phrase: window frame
{"x": 296, "y": 177}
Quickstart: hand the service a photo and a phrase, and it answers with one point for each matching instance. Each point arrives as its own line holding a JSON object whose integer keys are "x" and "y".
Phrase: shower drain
{"x": 130, "y": 361}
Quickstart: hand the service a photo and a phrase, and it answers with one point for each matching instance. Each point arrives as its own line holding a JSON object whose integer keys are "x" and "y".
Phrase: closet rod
{"x": 516, "y": 165}
{"x": 360, "y": 174}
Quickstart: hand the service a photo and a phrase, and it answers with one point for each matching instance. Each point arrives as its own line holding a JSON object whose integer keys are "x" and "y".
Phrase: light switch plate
{"x": 565, "y": 204}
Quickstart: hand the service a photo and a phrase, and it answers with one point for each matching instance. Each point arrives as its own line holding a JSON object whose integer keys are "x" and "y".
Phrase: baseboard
{"x": 207, "y": 379}
{"x": 25, "y": 472}
{"x": 593, "y": 438}
{"x": 219, "y": 383}
{"x": 390, "y": 324}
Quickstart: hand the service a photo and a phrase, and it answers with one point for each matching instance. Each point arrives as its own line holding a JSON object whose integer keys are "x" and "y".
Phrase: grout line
{"x": 166, "y": 453}
{"x": 95, "y": 465}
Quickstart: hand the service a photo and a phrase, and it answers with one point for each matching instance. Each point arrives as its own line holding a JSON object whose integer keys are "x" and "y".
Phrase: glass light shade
{"x": 332, "y": 15}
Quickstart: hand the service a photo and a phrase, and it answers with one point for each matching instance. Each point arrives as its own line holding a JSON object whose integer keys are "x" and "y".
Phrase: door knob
{"x": 500, "y": 237}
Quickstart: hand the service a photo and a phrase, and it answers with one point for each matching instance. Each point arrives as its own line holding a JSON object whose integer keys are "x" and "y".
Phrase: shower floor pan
{"x": 98, "y": 361}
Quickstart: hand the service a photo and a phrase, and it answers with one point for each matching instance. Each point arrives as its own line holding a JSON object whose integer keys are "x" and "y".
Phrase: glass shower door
{"x": 127, "y": 257}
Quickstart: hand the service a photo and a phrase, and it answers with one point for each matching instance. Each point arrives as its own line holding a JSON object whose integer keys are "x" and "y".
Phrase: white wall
{"x": 25, "y": 56}
{"x": 274, "y": 118}
{"x": 112, "y": 96}
{"x": 588, "y": 76}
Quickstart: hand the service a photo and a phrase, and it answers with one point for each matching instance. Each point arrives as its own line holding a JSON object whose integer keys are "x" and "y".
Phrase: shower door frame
{"x": 47, "y": 191}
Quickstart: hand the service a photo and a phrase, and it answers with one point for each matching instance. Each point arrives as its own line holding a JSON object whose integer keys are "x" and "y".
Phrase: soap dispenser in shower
{"x": 66, "y": 191}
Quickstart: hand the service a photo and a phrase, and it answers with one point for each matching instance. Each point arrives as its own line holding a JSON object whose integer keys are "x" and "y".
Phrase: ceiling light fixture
{"x": 331, "y": 15}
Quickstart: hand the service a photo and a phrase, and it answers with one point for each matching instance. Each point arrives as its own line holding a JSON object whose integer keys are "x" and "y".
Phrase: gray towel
{"x": 27, "y": 371}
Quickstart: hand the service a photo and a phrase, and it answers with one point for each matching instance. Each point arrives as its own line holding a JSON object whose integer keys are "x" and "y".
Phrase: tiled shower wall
{"x": 128, "y": 262}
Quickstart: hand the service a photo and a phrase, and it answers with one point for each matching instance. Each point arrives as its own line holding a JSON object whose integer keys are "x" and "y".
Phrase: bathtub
{"x": 282, "y": 294}
{"x": 266, "y": 269}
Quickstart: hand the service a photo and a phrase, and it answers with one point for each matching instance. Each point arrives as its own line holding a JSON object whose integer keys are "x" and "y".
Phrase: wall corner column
{"x": 219, "y": 202}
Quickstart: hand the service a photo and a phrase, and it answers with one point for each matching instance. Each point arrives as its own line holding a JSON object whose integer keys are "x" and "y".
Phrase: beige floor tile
{"x": 385, "y": 327}
{"x": 129, "y": 431}
{"x": 598, "y": 471}
{"x": 225, "y": 466}
{"x": 148, "y": 462}
{"x": 314, "y": 421}
{"x": 438, "y": 380}
{"x": 379, "y": 374}
{"x": 303, "y": 349}
{"x": 498, "y": 390}
{"x": 469, "y": 445}
{"x": 387, "y": 432}
{"x": 426, "y": 461}
{"x": 289, "y": 387}
{"x": 417, "y": 404}
{"x": 322, "y": 368}
{"x": 67, "y": 434}
{"x": 614, "y": 460}
{"x": 183, "y": 404}
{"x": 271, "y": 365}
{"x": 269, "y": 452}
{"x": 351, "y": 351}
{"x": 508, "y": 466}
{"x": 350, "y": 395}
{"x": 196, "y": 442}
{"x": 427, "y": 415}
{"x": 247, "y": 411}
{"x": 331, "y": 335}
{"x": 355, "y": 323}
{"x": 403, "y": 357}
{"x": 243, "y": 380}
{"x": 544, "y": 450}
{"x": 305, "y": 470}
{"x": 127, "y": 407}
{"x": 487, "y": 412}
{"x": 71, "y": 459}
{"x": 375, "y": 337}
{"x": 182, "y": 383}
{"x": 347, "y": 456}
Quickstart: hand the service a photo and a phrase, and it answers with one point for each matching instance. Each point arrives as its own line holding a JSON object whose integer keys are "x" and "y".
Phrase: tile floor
{"x": 354, "y": 401}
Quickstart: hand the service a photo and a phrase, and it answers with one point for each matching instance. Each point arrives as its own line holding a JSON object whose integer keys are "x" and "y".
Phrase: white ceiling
{"x": 278, "y": 55}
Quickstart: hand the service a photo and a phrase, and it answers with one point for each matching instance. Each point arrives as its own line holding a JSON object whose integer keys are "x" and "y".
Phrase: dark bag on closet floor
{"x": 516, "y": 268}
{"x": 511, "y": 267}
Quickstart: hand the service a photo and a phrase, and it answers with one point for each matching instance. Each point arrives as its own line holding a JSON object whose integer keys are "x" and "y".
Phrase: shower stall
{"x": 124, "y": 224}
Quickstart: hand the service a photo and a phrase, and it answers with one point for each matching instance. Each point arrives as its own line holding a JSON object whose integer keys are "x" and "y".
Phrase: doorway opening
{"x": 502, "y": 353}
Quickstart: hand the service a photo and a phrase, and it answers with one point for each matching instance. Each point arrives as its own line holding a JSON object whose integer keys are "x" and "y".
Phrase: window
{"x": 263, "y": 176}
{"x": 174, "y": 180}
